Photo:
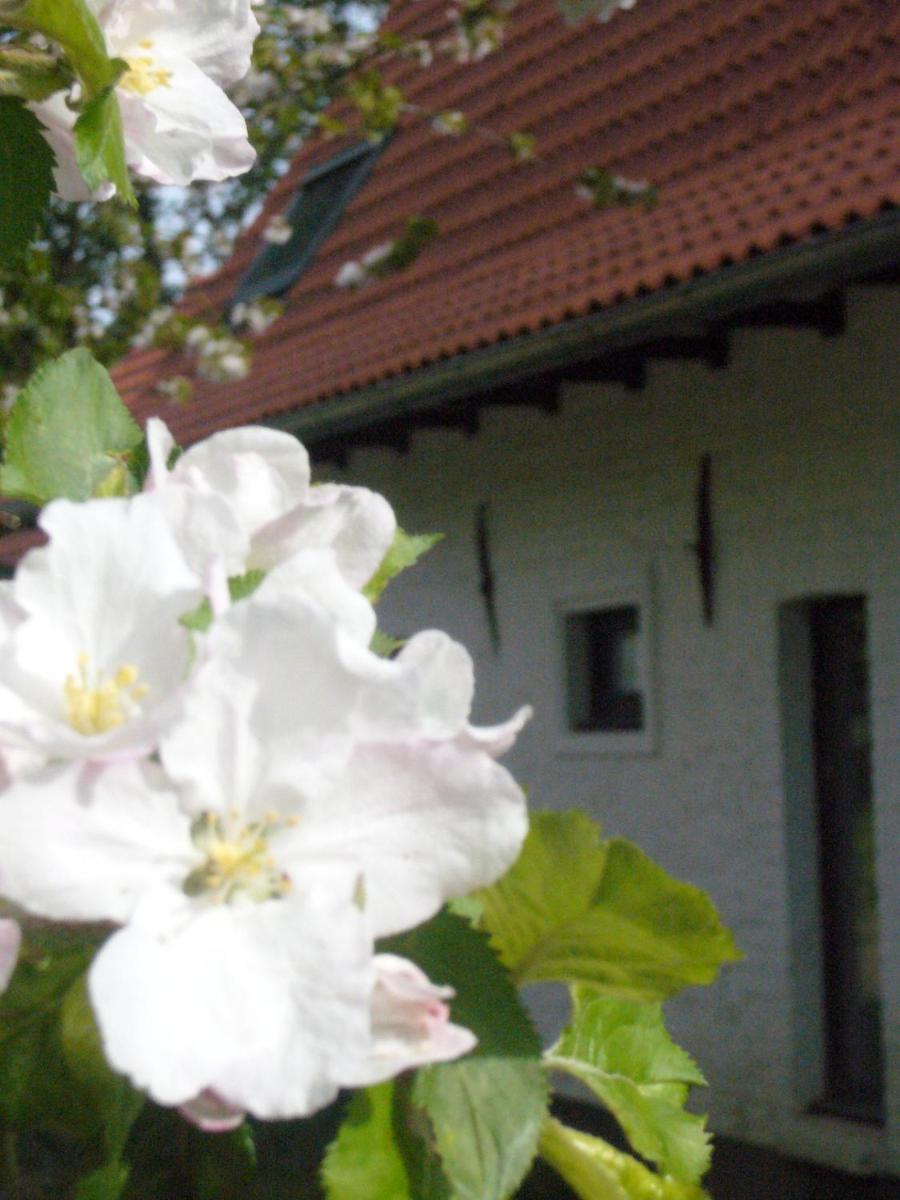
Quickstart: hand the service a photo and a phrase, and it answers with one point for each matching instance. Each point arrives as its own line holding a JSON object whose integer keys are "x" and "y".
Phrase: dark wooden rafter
{"x": 826, "y": 313}
{"x": 705, "y": 342}
{"x": 710, "y": 347}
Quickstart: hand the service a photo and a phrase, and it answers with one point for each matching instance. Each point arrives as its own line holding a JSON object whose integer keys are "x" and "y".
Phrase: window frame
{"x": 621, "y": 742}
{"x": 821, "y": 997}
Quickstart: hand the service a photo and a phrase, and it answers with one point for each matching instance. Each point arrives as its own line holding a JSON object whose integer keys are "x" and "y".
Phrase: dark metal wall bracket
{"x": 486, "y": 584}
{"x": 704, "y": 548}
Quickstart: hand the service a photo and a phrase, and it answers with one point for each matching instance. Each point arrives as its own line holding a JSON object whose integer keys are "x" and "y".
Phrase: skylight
{"x": 316, "y": 209}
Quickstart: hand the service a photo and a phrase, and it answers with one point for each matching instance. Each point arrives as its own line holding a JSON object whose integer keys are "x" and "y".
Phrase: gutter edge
{"x": 825, "y": 260}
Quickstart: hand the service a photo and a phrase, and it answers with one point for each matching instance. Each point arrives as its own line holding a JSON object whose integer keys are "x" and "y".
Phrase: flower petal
{"x": 184, "y": 130}
{"x": 108, "y": 590}
{"x": 410, "y": 1024}
{"x": 84, "y": 843}
{"x": 421, "y": 821}
{"x": 217, "y": 35}
{"x": 259, "y": 1003}
{"x": 358, "y": 524}
{"x": 260, "y": 472}
{"x": 211, "y": 1113}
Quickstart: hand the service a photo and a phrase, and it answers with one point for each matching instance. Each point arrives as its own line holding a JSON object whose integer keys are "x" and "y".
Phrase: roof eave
{"x": 824, "y": 261}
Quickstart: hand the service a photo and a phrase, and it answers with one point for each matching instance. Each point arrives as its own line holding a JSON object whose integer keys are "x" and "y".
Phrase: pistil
{"x": 96, "y": 705}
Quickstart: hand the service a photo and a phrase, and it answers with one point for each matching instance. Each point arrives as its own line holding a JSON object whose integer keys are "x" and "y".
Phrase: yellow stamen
{"x": 142, "y": 76}
{"x": 96, "y": 705}
{"x": 237, "y": 864}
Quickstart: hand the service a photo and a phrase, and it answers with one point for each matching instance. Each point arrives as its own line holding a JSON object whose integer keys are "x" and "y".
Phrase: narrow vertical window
{"x": 825, "y": 700}
{"x": 604, "y": 693}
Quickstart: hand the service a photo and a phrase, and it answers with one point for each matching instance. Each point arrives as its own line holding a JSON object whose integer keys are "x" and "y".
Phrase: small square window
{"x": 605, "y": 672}
{"x": 602, "y": 673}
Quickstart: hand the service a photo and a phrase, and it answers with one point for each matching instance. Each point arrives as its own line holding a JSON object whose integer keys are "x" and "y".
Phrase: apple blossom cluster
{"x": 201, "y": 750}
{"x": 177, "y": 121}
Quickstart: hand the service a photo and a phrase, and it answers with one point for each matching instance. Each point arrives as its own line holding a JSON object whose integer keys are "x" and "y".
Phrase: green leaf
{"x": 107, "y": 1183}
{"x": 594, "y": 1170}
{"x": 31, "y": 74}
{"x": 620, "y": 923}
{"x": 100, "y": 148}
{"x": 486, "y": 1114}
{"x": 114, "y": 1099}
{"x": 75, "y": 28}
{"x": 485, "y": 1147}
{"x": 99, "y": 145}
{"x": 622, "y": 1051}
{"x": 364, "y": 1160}
{"x": 37, "y": 1087}
{"x": 26, "y": 177}
{"x": 67, "y": 431}
{"x": 450, "y": 951}
{"x": 404, "y": 551}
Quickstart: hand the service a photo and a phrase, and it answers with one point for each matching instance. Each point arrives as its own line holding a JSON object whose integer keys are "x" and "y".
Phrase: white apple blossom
{"x": 264, "y": 477}
{"x": 92, "y": 654}
{"x": 375, "y": 756}
{"x": 351, "y": 275}
{"x": 178, "y": 123}
{"x": 311, "y": 798}
{"x": 278, "y": 231}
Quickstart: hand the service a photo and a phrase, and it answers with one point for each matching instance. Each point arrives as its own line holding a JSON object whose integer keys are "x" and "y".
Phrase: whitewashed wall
{"x": 803, "y": 434}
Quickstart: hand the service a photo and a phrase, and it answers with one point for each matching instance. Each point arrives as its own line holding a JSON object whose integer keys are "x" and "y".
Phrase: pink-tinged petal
{"x": 496, "y": 740}
{"x": 260, "y": 472}
{"x": 422, "y": 822}
{"x": 357, "y": 524}
{"x": 10, "y": 940}
{"x": 410, "y": 1023}
{"x": 259, "y": 1003}
{"x": 83, "y": 843}
{"x": 211, "y": 1113}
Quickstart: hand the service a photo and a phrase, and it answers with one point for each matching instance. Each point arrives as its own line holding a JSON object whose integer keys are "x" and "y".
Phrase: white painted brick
{"x": 803, "y": 434}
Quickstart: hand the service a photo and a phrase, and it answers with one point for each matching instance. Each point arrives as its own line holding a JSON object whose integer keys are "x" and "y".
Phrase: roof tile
{"x": 759, "y": 121}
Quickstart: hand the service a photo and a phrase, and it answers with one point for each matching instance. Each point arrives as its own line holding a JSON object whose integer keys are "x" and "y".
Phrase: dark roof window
{"x": 316, "y": 209}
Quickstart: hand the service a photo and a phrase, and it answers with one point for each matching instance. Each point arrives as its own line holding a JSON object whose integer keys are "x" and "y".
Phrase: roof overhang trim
{"x": 823, "y": 262}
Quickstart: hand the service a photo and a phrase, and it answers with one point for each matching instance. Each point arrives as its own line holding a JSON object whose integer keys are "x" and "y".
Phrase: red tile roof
{"x": 761, "y": 122}
{"x": 13, "y": 545}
